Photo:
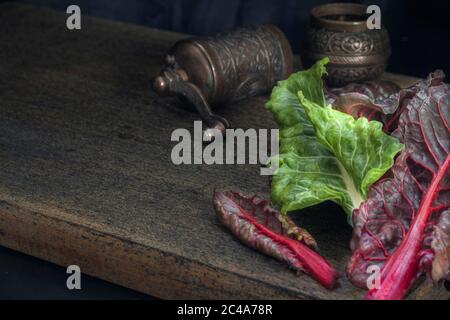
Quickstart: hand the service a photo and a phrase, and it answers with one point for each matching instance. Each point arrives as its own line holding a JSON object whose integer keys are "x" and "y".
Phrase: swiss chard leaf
{"x": 361, "y": 147}
{"x": 312, "y": 164}
{"x": 374, "y": 100}
{"x": 404, "y": 226}
{"x": 258, "y": 225}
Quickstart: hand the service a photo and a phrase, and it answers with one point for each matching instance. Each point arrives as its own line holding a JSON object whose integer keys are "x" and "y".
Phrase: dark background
{"x": 419, "y": 30}
{"x": 420, "y": 39}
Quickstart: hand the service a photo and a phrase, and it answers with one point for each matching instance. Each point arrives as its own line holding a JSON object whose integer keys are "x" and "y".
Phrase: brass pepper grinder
{"x": 211, "y": 71}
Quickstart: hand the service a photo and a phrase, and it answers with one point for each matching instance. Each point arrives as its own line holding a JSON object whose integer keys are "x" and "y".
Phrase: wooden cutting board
{"x": 86, "y": 176}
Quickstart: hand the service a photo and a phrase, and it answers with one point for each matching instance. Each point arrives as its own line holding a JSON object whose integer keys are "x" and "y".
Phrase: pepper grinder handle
{"x": 175, "y": 81}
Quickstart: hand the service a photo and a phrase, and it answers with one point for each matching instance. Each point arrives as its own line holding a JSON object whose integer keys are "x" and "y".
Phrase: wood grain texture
{"x": 86, "y": 176}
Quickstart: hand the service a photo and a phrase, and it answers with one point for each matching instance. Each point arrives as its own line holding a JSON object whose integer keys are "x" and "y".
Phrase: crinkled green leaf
{"x": 309, "y": 170}
{"x": 296, "y": 131}
{"x": 361, "y": 146}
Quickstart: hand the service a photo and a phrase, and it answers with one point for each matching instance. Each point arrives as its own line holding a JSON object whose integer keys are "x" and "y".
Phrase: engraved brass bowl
{"x": 339, "y": 31}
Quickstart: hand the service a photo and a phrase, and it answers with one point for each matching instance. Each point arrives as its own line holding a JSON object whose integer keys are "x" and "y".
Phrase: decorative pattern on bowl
{"x": 356, "y": 53}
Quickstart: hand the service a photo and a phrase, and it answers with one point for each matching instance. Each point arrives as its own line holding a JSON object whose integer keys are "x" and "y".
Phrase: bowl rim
{"x": 318, "y": 16}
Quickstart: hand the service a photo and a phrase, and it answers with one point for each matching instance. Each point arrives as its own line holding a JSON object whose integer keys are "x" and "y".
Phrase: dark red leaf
{"x": 258, "y": 225}
{"x": 362, "y": 99}
{"x": 378, "y": 100}
{"x": 404, "y": 226}
{"x": 377, "y": 90}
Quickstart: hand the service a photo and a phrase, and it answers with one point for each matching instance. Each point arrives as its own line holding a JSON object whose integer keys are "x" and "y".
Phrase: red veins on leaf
{"x": 373, "y": 100}
{"x": 377, "y": 100}
{"x": 404, "y": 226}
{"x": 258, "y": 225}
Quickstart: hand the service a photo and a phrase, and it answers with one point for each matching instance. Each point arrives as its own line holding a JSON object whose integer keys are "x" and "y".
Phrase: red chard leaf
{"x": 258, "y": 225}
{"x": 404, "y": 226}
{"x": 363, "y": 99}
{"x": 393, "y": 106}
{"x": 377, "y": 90}
{"x": 377, "y": 100}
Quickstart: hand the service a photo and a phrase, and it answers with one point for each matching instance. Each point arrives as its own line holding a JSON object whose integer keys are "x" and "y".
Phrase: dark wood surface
{"x": 86, "y": 176}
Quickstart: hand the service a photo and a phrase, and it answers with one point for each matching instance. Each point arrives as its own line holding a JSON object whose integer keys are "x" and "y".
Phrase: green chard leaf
{"x": 361, "y": 146}
{"x": 324, "y": 154}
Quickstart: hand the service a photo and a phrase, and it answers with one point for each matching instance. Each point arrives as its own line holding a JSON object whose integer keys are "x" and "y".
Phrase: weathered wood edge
{"x": 125, "y": 262}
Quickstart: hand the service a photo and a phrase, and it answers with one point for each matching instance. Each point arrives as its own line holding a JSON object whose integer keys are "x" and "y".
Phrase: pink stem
{"x": 313, "y": 263}
{"x": 402, "y": 268}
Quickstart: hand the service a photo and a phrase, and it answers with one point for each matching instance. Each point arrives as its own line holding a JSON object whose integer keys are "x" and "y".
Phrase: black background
{"x": 419, "y": 30}
{"x": 420, "y": 39}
